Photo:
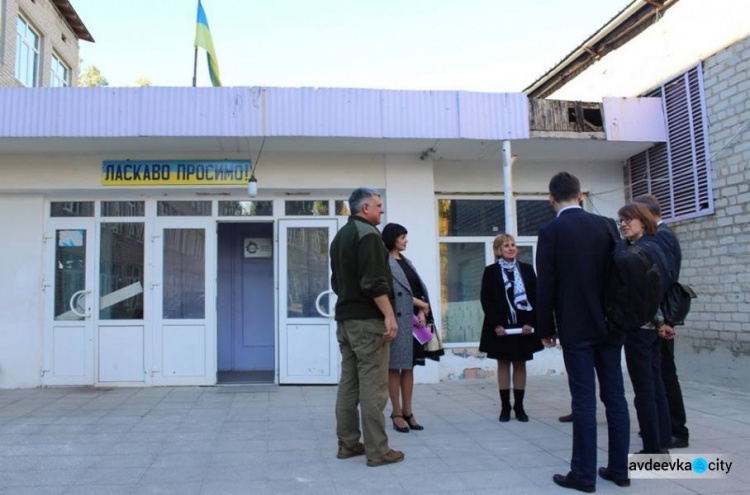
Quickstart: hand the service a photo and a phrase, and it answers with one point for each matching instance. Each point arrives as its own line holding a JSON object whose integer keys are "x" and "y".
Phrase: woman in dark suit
{"x": 643, "y": 345}
{"x": 508, "y": 298}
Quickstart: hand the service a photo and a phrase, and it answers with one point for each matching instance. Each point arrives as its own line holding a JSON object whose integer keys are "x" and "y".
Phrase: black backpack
{"x": 677, "y": 303}
{"x": 633, "y": 290}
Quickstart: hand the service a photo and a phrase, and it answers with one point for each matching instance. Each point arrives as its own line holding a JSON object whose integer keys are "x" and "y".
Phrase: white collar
{"x": 567, "y": 208}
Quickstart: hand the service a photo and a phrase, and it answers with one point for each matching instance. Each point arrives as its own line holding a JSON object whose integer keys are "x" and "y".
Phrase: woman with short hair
{"x": 508, "y": 298}
{"x": 643, "y": 345}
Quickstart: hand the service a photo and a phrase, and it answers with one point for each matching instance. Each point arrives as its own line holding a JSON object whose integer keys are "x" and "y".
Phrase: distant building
{"x": 39, "y": 43}
{"x": 694, "y": 55}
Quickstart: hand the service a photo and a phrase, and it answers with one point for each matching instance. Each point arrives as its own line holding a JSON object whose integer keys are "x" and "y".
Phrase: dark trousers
{"x": 583, "y": 361}
{"x": 643, "y": 356}
{"x": 673, "y": 390}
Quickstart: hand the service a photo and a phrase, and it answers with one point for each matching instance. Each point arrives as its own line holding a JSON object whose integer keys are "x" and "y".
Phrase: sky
{"x": 471, "y": 45}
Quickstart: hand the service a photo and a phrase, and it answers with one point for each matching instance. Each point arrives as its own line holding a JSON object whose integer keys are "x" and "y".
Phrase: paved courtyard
{"x": 266, "y": 439}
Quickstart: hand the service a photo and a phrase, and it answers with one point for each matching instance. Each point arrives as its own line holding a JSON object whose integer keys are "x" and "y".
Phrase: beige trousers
{"x": 364, "y": 382}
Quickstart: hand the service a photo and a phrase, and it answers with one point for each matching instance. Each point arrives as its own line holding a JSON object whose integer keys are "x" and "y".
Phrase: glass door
{"x": 183, "y": 289}
{"x": 308, "y": 350}
{"x": 70, "y": 302}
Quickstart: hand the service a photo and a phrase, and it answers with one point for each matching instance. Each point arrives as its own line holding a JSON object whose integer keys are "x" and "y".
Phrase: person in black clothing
{"x": 508, "y": 298}
{"x": 671, "y": 247}
{"x": 572, "y": 261}
{"x": 643, "y": 345}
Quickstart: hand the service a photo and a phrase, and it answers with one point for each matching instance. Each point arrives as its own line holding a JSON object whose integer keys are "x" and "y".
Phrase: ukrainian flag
{"x": 203, "y": 40}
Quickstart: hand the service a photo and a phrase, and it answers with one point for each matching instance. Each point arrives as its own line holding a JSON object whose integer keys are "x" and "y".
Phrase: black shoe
{"x": 566, "y": 419}
{"x": 568, "y": 481}
{"x": 400, "y": 429}
{"x": 680, "y": 443}
{"x": 413, "y": 426}
{"x": 521, "y": 414}
{"x": 606, "y": 474}
{"x": 504, "y": 415}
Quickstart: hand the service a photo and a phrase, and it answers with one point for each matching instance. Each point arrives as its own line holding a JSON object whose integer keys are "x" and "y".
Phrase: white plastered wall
{"x": 411, "y": 203}
{"x": 21, "y": 297}
{"x": 689, "y": 31}
{"x": 275, "y": 171}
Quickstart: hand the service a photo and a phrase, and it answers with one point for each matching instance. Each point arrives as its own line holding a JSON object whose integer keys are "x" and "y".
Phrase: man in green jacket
{"x": 361, "y": 278}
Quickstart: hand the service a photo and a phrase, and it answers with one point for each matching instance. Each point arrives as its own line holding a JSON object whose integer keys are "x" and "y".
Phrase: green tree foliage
{"x": 142, "y": 81}
{"x": 92, "y": 77}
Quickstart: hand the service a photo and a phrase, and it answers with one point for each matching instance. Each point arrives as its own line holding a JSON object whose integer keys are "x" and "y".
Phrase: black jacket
{"x": 572, "y": 260}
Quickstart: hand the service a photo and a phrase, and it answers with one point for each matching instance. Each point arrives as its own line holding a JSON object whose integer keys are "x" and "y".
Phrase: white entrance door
{"x": 183, "y": 290}
{"x": 308, "y": 350}
{"x": 70, "y": 302}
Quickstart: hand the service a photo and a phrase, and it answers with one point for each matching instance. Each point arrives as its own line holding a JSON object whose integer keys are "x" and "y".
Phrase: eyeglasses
{"x": 625, "y": 221}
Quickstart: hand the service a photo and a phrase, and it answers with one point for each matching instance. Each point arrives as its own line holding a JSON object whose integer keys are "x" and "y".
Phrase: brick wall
{"x": 50, "y": 25}
{"x": 714, "y": 346}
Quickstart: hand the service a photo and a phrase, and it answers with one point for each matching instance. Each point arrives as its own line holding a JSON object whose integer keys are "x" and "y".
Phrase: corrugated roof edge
{"x": 624, "y": 26}
{"x": 74, "y": 21}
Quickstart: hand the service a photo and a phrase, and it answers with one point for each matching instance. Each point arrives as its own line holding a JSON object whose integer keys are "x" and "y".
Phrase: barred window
{"x": 678, "y": 172}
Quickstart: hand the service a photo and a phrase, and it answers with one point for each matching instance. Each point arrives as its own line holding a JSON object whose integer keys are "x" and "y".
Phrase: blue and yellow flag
{"x": 203, "y": 40}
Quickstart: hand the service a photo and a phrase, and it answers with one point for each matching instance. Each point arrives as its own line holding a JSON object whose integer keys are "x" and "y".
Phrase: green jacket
{"x": 360, "y": 270}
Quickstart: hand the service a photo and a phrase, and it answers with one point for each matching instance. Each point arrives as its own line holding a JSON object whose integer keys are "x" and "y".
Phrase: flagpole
{"x": 195, "y": 64}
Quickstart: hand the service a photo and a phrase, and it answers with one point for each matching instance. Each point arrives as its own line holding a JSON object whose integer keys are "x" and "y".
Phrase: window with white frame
{"x": 27, "y": 54}
{"x": 466, "y": 228}
{"x": 59, "y": 74}
{"x": 678, "y": 172}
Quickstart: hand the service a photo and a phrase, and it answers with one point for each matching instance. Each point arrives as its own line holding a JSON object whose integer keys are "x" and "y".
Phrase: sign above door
{"x": 175, "y": 172}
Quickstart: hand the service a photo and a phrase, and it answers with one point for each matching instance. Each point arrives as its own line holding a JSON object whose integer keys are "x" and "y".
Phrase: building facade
{"x": 135, "y": 257}
{"x": 39, "y": 43}
{"x": 694, "y": 54}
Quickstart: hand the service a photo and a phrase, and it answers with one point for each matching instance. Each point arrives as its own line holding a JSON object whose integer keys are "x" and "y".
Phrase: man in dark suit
{"x": 671, "y": 247}
{"x": 573, "y": 255}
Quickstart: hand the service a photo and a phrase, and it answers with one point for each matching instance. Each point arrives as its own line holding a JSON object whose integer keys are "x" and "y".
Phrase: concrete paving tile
{"x": 182, "y": 459}
{"x": 48, "y": 477}
{"x": 238, "y": 445}
{"x": 191, "y": 488}
{"x": 66, "y": 462}
{"x": 102, "y": 489}
{"x": 524, "y": 459}
{"x": 32, "y": 490}
{"x": 440, "y": 482}
{"x": 18, "y": 463}
{"x": 505, "y": 478}
{"x": 712, "y": 486}
{"x": 177, "y": 474}
{"x": 125, "y": 460}
{"x": 476, "y": 462}
{"x": 235, "y": 488}
{"x": 235, "y": 473}
{"x": 135, "y": 447}
{"x": 369, "y": 486}
{"x": 302, "y": 485}
{"x": 19, "y": 429}
{"x": 111, "y": 476}
{"x": 292, "y": 444}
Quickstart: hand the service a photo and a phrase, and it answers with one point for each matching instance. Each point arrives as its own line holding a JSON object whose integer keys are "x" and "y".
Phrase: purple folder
{"x": 422, "y": 333}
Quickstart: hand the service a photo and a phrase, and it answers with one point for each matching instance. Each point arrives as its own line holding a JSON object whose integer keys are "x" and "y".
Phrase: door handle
{"x": 74, "y": 299}
{"x": 317, "y": 304}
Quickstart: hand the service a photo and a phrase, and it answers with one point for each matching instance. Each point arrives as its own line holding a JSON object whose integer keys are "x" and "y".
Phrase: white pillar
{"x": 511, "y": 226}
{"x": 410, "y": 201}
